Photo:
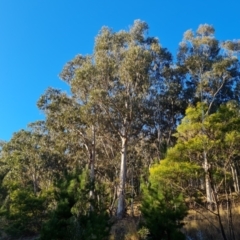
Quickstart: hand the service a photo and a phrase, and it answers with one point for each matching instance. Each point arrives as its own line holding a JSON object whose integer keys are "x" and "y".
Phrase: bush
{"x": 24, "y": 213}
{"x": 77, "y": 216}
{"x": 162, "y": 213}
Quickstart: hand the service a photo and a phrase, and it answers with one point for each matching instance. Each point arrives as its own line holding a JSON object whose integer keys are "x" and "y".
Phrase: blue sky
{"x": 37, "y": 37}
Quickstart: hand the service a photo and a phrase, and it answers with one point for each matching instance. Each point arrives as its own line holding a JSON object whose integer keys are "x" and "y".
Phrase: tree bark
{"x": 235, "y": 178}
{"x": 122, "y": 179}
{"x": 92, "y": 158}
{"x": 92, "y": 163}
{"x": 207, "y": 181}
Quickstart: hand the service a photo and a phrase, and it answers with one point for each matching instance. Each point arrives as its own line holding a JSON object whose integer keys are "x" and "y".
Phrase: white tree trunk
{"x": 122, "y": 180}
{"x": 235, "y": 178}
{"x": 207, "y": 179}
{"x": 92, "y": 162}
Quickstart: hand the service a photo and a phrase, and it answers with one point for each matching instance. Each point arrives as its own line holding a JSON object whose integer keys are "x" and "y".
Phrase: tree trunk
{"x": 122, "y": 179}
{"x": 207, "y": 181}
{"x": 92, "y": 163}
{"x": 132, "y": 193}
{"x": 92, "y": 158}
{"x": 235, "y": 178}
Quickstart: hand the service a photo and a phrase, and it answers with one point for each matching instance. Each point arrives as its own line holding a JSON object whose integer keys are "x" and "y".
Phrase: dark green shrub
{"x": 77, "y": 216}
{"x": 24, "y": 213}
{"x": 162, "y": 213}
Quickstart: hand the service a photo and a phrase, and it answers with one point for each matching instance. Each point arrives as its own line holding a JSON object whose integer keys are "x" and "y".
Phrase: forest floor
{"x": 203, "y": 224}
{"x": 198, "y": 225}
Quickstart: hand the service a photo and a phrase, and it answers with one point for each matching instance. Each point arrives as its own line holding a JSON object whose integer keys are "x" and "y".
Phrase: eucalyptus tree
{"x": 29, "y": 158}
{"x": 72, "y": 126}
{"x": 168, "y": 101}
{"x": 211, "y": 67}
{"x": 115, "y": 81}
{"x": 22, "y": 158}
{"x": 212, "y": 73}
{"x": 63, "y": 121}
{"x": 28, "y": 169}
{"x": 3, "y": 171}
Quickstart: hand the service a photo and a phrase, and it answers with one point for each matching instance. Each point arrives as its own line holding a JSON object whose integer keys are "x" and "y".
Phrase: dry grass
{"x": 199, "y": 225}
{"x": 125, "y": 229}
{"x": 203, "y": 225}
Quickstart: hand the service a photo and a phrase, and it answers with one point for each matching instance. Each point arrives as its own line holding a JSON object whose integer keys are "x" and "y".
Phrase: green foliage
{"x": 217, "y": 134}
{"x": 24, "y": 212}
{"x": 143, "y": 233}
{"x": 77, "y": 216}
{"x": 163, "y": 209}
{"x": 128, "y": 94}
{"x": 61, "y": 223}
{"x": 173, "y": 172}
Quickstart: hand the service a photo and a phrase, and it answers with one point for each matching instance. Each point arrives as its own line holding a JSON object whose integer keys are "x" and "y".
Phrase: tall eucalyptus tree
{"x": 212, "y": 74}
{"x": 116, "y": 80}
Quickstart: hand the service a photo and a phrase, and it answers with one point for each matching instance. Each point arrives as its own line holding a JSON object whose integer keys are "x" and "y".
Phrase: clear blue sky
{"x": 37, "y": 37}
